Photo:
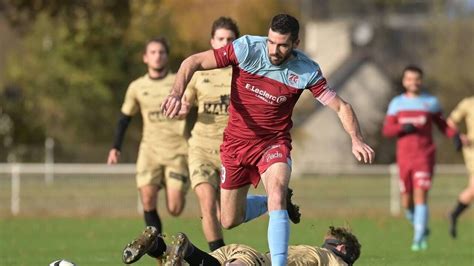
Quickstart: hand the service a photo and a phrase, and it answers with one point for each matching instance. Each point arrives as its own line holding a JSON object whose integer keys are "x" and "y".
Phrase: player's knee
{"x": 229, "y": 222}
{"x": 175, "y": 209}
{"x": 277, "y": 201}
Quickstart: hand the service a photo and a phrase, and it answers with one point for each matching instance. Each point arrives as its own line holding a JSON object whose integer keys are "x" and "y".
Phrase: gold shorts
{"x": 247, "y": 255}
{"x": 162, "y": 169}
{"x": 468, "y": 153}
{"x": 204, "y": 166}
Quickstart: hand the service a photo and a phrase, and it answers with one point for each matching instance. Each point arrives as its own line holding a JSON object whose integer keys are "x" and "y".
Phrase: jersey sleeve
{"x": 130, "y": 104}
{"x": 320, "y": 88}
{"x": 391, "y": 127}
{"x": 440, "y": 121}
{"x": 459, "y": 112}
{"x": 233, "y": 53}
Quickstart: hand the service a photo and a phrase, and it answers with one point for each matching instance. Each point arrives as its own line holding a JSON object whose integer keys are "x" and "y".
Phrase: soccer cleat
{"x": 292, "y": 209}
{"x": 415, "y": 247}
{"x": 140, "y": 246}
{"x": 424, "y": 245}
{"x": 181, "y": 247}
{"x": 452, "y": 226}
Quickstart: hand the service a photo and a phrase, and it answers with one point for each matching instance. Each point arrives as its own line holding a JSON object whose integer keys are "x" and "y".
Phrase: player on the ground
{"x": 210, "y": 91}
{"x": 268, "y": 76}
{"x": 340, "y": 247}
{"x": 410, "y": 118}
{"x": 464, "y": 111}
{"x": 161, "y": 159}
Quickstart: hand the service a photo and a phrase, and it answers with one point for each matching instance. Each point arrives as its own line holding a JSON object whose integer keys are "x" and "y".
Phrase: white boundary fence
{"x": 15, "y": 170}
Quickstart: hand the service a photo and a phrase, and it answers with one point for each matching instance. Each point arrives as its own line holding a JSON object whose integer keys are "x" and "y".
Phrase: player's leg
{"x": 422, "y": 184}
{"x": 183, "y": 249}
{"x": 465, "y": 198}
{"x": 467, "y": 195}
{"x": 233, "y": 206}
{"x": 207, "y": 196}
{"x": 204, "y": 168}
{"x": 406, "y": 190}
{"x": 276, "y": 179}
{"x": 149, "y": 241}
{"x": 177, "y": 184}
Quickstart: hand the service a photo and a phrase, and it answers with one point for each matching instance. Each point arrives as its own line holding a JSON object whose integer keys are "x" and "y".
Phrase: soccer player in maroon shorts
{"x": 269, "y": 75}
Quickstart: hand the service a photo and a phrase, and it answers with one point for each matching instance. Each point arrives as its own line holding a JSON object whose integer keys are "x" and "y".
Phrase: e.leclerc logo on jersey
{"x": 264, "y": 95}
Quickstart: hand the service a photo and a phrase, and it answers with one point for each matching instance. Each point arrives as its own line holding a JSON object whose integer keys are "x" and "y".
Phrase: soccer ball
{"x": 62, "y": 263}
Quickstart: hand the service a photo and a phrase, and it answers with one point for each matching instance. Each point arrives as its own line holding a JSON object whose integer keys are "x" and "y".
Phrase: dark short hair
{"x": 284, "y": 24}
{"x": 162, "y": 40}
{"x": 349, "y": 240}
{"x": 225, "y": 23}
{"x": 412, "y": 68}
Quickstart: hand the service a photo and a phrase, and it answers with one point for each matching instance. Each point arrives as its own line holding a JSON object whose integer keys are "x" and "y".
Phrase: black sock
{"x": 460, "y": 207}
{"x": 152, "y": 219}
{"x": 158, "y": 248}
{"x": 199, "y": 257}
{"x": 213, "y": 245}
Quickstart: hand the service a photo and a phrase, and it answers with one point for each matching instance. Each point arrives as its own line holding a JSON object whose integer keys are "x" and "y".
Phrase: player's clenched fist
{"x": 171, "y": 106}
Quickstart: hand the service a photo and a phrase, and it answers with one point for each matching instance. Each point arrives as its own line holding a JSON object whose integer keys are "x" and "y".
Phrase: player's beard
{"x": 280, "y": 61}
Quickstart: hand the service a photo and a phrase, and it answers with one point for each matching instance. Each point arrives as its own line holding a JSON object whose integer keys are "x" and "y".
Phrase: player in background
{"x": 464, "y": 111}
{"x": 340, "y": 248}
{"x": 161, "y": 159}
{"x": 269, "y": 74}
{"x": 410, "y": 118}
{"x": 210, "y": 91}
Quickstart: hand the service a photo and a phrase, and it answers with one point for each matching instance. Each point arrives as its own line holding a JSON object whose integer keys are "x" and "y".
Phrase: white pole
{"x": 394, "y": 190}
{"x": 49, "y": 160}
{"x": 15, "y": 197}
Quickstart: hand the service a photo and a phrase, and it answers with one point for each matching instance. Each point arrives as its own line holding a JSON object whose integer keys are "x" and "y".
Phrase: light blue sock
{"x": 420, "y": 222}
{"x": 278, "y": 235}
{"x": 409, "y": 215}
{"x": 256, "y": 206}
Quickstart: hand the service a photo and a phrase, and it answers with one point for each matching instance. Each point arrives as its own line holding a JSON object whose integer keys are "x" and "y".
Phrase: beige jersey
{"x": 465, "y": 111}
{"x": 146, "y": 94}
{"x": 210, "y": 91}
{"x": 315, "y": 256}
{"x": 245, "y": 254}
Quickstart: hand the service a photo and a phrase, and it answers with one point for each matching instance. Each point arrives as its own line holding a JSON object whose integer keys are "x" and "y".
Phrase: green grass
{"x": 99, "y": 241}
{"x": 89, "y": 219}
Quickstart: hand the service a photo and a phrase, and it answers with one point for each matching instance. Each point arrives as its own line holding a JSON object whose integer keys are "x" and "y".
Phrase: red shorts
{"x": 415, "y": 175}
{"x": 244, "y": 160}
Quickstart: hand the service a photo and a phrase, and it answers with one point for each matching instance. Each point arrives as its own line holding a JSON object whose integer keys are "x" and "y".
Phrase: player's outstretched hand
{"x": 362, "y": 151}
{"x": 185, "y": 108}
{"x": 171, "y": 106}
{"x": 114, "y": 156}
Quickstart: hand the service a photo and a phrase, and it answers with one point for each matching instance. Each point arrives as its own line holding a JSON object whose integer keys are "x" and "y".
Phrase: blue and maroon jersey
{"x": 421, "y": 111}
{"x": 263, "y": 95}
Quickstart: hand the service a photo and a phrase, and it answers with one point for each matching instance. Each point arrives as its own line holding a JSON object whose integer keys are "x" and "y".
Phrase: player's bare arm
{"x": 201, "y": 61}
{"x": 349, "y": 121}
{"x": 462, "y": 137}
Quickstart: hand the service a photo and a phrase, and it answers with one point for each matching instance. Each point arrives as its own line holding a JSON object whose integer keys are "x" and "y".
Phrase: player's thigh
{"x": 422, "y": 181}
{"x": 233, "y": 205}
{"x": 207, "y": 196}
{"x": 275, "y": 180}
{"x": 177, "y": 184}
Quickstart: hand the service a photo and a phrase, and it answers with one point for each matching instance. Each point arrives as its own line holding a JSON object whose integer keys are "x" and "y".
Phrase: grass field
{"x": 89, "y": 220}
{"x": 99, "y": 241}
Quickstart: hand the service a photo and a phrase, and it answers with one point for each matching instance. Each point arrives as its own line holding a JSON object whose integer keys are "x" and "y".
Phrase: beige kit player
{"x": 210, "y": 90}
{"x": 464, "y": 111}
{"x": 162, "y": 156}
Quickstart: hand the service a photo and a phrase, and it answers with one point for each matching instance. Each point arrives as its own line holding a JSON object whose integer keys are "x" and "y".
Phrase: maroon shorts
{"x": 243, "y": 161}
{"x": 415, "y": 174}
